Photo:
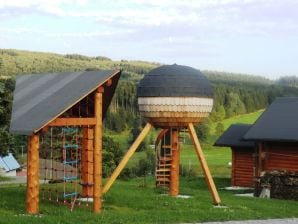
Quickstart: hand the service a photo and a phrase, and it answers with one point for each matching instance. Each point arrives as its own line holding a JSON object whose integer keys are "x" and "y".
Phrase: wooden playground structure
{"x": 173, "y": 98}
{"x": 62, "y": 116}
{"x": 69, "y": 101}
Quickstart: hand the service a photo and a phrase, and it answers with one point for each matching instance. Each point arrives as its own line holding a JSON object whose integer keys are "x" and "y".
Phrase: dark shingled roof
{"x": 278, "y": 123}
{"x": 232, "y": 137}
{"x": 175, "y": 81}
{"x": 38, "y": 99}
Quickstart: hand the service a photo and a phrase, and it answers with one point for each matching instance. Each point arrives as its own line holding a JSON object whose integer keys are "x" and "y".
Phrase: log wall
{"x": 242, "y": 167}
{"x": 281, "y": 156}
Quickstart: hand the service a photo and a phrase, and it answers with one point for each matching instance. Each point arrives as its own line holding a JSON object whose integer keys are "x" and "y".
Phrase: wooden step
{"x": 166, "y": 146}
{"x": 162, "y": 175}
{"x": 162, "y": 185}
{"x": 163, "y": 170}
{"x": 163, "y": 179}
{"x": 164, "y": 166}
{"x": 165, "y": 159}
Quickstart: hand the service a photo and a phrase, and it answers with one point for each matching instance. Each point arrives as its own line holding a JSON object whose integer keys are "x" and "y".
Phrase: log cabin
{"x": 272, "y": 139}
{"x": 242, "y": 154}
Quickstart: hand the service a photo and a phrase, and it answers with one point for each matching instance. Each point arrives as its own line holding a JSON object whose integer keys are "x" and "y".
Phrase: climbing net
{"x": 61, "y": 166}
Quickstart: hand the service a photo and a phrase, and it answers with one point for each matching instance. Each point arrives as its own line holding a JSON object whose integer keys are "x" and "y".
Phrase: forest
{"x": 234, "y": 94}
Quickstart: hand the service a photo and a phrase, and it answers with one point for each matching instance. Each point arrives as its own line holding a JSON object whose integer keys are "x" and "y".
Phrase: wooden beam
{"x": 160, "y": 136}
{"x": 87, "y": 162}
{"x": 127, "y": 156}
{"x": 109, "y": 82}
{"x": 97, "y": 152}
{"x": 32, "y": 194}
{"x": 73, "y": 121}
{"x": 204, "y": 165}
{"x": 174, "y": 174}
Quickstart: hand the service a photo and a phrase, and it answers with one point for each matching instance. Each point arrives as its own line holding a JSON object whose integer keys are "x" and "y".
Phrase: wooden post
{"x": 174, "y": 174}
{"x": 97, "y": 152}
{"x": 32, "y": 174}
{"x": 127, "y": 156}
{"x": 87, "y": 162}
{"x": 204, "y": 165}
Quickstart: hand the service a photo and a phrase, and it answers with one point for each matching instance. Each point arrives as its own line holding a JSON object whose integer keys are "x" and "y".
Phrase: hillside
{"x": 234, "y": 94}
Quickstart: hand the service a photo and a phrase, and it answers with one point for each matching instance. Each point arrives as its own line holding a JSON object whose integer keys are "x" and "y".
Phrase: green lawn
{"x": 131, "y": 202}
{"x": 244, "y": 119}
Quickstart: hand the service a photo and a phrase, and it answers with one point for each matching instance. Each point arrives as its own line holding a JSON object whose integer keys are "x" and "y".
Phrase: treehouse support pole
{"x": 174, "y": 173}
{"x": 205, "y": 168}
{"x": 87, "y": 162}
{"x": 127, "y": 156}
{"x": 32, "y": 194}
{"x": 97, "y": 152}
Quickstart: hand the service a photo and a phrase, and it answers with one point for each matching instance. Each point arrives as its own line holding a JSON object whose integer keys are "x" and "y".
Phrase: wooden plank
{"x": 204, "y": 165}
{"x": 97, "y": 152}
{"x": 32, "y": 194}
{"x": 74, "y": 121}
{"x": 127, "y": 156}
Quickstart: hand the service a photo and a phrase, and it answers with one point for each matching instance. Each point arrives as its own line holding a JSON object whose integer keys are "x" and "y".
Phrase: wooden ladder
{"x": 163, "y": 168}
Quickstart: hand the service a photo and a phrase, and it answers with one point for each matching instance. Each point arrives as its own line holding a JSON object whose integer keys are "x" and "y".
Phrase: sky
{"x": 257, "y": 37}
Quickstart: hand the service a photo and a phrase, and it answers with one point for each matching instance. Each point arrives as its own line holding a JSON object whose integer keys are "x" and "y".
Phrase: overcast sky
{"x": 247, "y": 36}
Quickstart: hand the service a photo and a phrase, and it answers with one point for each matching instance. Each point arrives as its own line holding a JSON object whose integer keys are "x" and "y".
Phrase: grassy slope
{"x": 130, "y": 202}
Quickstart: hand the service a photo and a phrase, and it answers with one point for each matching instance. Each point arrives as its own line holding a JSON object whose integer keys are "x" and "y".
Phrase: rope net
{"x": 61, "y": 167}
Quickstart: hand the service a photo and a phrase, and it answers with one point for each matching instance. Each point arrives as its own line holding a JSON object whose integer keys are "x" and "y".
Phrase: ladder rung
{"x": 70, "y": 130}
{"x": 162, "y": 184}
{"x": 166, "y": 159}
{"x": 70, "y": 178}
{"x": 163, "y": 170}
{"x": 166, "y": 146}
{"x": 71, "y": 162}
{"x": 162, "y": 175}
{"x": 164, "y": 165}
{"x": 70, "y": 194}
{"x": 163, "y": 180}
{"x": 70, "y": 146}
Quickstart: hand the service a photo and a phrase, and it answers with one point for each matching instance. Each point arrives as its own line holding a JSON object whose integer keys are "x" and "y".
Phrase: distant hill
{"x": 234, "y": 93}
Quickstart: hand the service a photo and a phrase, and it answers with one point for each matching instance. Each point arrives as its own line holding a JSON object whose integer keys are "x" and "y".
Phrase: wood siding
{"x": 281, "y": 156}
{"x": 242, "y": 167}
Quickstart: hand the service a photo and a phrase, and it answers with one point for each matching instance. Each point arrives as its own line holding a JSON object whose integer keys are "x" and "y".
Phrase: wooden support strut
{"x": 204, "y": 165}
{"x": 174, "y": 177}
{"x": 97, "y": 152}
{"x": 32, "y": 194}
{"x": 87, "y": 162}
{"x": 127, "y": 156}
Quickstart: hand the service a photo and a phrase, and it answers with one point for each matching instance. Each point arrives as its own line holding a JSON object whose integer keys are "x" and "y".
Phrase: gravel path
{"x": 268, "y": 221}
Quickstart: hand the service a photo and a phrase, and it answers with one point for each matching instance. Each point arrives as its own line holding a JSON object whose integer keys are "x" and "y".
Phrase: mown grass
{"x": 244, "y": 119}
{"x": 131, "y": 202}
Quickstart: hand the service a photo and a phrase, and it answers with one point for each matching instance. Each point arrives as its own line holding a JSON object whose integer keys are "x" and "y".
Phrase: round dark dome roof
{"x": 175, "y": 81}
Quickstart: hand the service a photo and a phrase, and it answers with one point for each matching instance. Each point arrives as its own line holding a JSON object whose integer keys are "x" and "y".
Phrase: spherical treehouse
{"x": 173, "y": 98}
{"x": 174, "y": 95}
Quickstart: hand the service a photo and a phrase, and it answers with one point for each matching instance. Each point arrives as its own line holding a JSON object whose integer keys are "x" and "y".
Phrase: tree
{"x": 203, "y": 130}
{"x": 7, "y": 141}
{"x": 219, "y": 129}
{"x": 112, "y": 154}
{"x": 234, "y": 105}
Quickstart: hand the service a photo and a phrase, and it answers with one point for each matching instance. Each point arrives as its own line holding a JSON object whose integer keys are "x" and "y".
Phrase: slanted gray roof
{"x": 278, "y": 123}
{"x": 232, "y": 137}
{"x": 38, "y": 99}
{"x": 175, "y": 81}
